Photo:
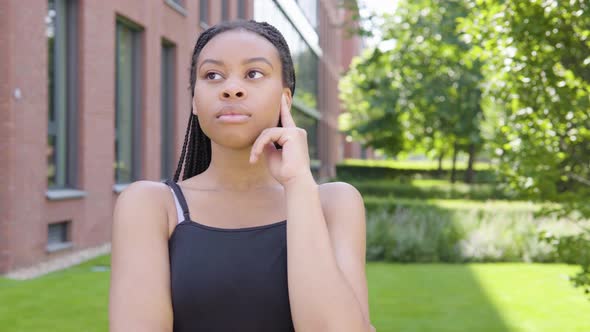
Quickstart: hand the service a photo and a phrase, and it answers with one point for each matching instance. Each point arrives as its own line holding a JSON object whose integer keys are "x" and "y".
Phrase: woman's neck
{"x": 230, "y": 170}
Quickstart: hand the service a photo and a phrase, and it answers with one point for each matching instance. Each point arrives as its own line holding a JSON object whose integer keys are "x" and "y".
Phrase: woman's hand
{"x": 292, "y": 161}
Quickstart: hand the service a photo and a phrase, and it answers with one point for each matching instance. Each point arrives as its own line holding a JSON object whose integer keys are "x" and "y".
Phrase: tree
{"x": 537, "y": 64}
{"x": 420, "y": 93}
{"x": 538, "y": 67}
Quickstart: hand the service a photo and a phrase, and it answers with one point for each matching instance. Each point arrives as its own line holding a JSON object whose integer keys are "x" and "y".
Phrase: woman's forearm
{"x": 321, "y": 298}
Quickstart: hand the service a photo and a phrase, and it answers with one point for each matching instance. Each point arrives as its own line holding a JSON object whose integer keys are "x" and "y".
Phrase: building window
{"x": 306, "y": 65}
{"x": 168, "y": 109}
{"x": 224, "y": 10}
{"x": 58, "y": 236}
{"x": 242, "y": 9}
{"x": 128, "y": 102}
{"x": 204, "y": 13}
{"x": 62, "y": 44}
{"x": 310, "y": 10}
{"x": 310, "y": 124}
{"x": 177, "y": 5}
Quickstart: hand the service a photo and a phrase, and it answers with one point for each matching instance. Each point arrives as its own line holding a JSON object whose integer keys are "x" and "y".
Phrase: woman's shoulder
{"x": 145, "y": 196}
{"x": 145, "y": 189}
{"x": 334, "y": 195}
{"x": 338, "y": 190}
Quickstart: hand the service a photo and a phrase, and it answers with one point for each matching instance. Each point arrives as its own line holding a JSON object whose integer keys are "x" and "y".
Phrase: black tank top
{"x": 228, "y": 279}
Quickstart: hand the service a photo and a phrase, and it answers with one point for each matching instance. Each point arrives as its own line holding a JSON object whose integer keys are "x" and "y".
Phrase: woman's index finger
{"x": 286, "y": 117}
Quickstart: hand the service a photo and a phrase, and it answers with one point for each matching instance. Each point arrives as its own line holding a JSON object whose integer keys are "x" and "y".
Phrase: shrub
{"x": 418, "y": 232}
{"x": 360, "y": 172}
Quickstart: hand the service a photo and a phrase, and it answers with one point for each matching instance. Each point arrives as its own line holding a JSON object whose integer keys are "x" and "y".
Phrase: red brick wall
{"x": 6, "y": 130}
{"x": 337, "y": 50}
{"x": 25, "y": 212}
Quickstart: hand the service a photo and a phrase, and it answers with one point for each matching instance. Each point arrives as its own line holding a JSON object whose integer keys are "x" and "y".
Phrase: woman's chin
{"x": 235, "y": 142}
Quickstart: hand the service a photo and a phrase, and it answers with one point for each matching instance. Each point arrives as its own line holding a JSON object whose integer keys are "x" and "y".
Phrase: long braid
{"x": 182, "y": 154}
{"x": 198, "y": 157}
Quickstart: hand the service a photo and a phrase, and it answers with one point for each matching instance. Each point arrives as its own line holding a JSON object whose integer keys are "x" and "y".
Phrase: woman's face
{"x": 238, "y": 88}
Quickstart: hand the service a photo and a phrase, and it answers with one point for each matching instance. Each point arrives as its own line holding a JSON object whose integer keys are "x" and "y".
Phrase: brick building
{"x": 94, "y": 96}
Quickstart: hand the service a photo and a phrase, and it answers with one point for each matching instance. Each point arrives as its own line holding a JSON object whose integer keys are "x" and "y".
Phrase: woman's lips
{"x": 233, "y": 118}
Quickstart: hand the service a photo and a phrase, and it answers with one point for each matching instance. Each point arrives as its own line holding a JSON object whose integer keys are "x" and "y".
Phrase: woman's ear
{"x": 288, "y": 97}
{"x": 194, "y": 106}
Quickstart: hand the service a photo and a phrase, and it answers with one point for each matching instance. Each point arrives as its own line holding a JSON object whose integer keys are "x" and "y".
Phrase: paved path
{"x": 59, "y": 263}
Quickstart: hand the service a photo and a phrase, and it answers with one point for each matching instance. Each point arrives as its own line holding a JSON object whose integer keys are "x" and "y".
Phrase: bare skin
{"x": 248, "y": 183}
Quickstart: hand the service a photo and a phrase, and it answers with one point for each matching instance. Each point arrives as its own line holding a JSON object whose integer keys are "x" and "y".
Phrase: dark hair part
{"x": 198, "y": 157}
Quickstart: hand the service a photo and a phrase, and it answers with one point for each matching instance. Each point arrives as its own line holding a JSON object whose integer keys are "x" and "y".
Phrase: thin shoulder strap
{"x": 180, "y": 197}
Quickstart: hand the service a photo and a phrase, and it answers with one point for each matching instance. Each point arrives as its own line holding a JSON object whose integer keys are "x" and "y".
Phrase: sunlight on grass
{"x": 534, "y": 297}
{"x": 475, "y": 297}
{"x": 403, "y": 297}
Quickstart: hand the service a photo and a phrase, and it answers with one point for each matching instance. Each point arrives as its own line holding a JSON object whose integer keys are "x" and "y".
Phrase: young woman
{"x": 247, "y": 241}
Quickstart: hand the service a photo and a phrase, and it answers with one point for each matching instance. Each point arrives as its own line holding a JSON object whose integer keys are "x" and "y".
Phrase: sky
{"x": 378, "y": 6}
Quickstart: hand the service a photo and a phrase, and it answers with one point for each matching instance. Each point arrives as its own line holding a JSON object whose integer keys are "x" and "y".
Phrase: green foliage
{"x": 537, "y": 64}
{"x": 406, "y": 231}
{"x": 443, "y": 190}
{"x": 352, "y": 172}
{"x": 421, "y": 92}
{"x": 414, "y": 164}
{"x": 573, "y": 249}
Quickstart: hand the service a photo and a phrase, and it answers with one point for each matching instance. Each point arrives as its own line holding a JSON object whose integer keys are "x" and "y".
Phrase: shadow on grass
{"x": 426, "y": 296}
{"x": 430, "y": 297}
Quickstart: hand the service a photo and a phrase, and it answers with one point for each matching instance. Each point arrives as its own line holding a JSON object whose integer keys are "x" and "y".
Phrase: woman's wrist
{"x": 303, "y": 181}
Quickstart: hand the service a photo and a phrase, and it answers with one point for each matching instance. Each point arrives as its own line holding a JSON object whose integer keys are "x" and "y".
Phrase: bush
{"x": 438, "y": 189}
{"x": 361, "y": 172}
{"x": 573, "y": 249}
{"x": 416, "y": 232}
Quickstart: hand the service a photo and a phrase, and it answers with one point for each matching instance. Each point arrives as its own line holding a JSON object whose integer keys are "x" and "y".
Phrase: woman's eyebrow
{"x": 217, "y": 62}
{"x": 256, "y": 59}
{"x": 220, "y": 63}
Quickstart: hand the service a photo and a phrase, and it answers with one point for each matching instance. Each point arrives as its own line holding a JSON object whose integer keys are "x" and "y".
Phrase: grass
{"x": 499, "y": 297}
{"x": 71, "y": 300}
{"x": 413, "y": 297}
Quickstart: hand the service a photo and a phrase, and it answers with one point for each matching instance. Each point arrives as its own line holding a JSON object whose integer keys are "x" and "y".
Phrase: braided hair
{"x": 198, "y": 157}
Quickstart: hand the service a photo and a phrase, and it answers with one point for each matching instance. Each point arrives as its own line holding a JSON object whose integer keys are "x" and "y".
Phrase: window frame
{"x": 136, "y": 98}
{"x": 168, "y": 108}
{"x": 65, "y": 78}
{"x": 204, "y": 13}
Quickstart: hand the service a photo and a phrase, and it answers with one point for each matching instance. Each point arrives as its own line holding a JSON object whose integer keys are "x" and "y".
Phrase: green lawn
{"x": 476, "y": 297}
{"x": 414, "y": 297}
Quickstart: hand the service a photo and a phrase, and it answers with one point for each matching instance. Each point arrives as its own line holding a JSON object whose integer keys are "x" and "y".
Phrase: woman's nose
{"x": 232, "y": 90}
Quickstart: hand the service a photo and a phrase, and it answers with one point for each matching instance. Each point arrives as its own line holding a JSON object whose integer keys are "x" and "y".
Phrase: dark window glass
{"x": 242, "y": 9}
{"x": 61, "y": 29}
{"x": 204, "y": 11}
{"x": 168, "y": 92}
{"x": 128, "y": 94}
{"x": 57, "y": 233}
{"x": 310, "y": 124}
{"x": 224, "y": 10}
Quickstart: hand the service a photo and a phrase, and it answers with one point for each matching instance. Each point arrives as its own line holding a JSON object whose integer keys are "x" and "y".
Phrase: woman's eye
{"x": 254, "y": 74}
{"x": 211, "y": 76}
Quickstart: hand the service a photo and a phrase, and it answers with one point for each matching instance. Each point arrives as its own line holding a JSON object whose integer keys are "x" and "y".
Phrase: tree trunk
{"x": 454, "y": 170}
{"x": 440, "y": 160}
{"x": 469, "y": 173}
